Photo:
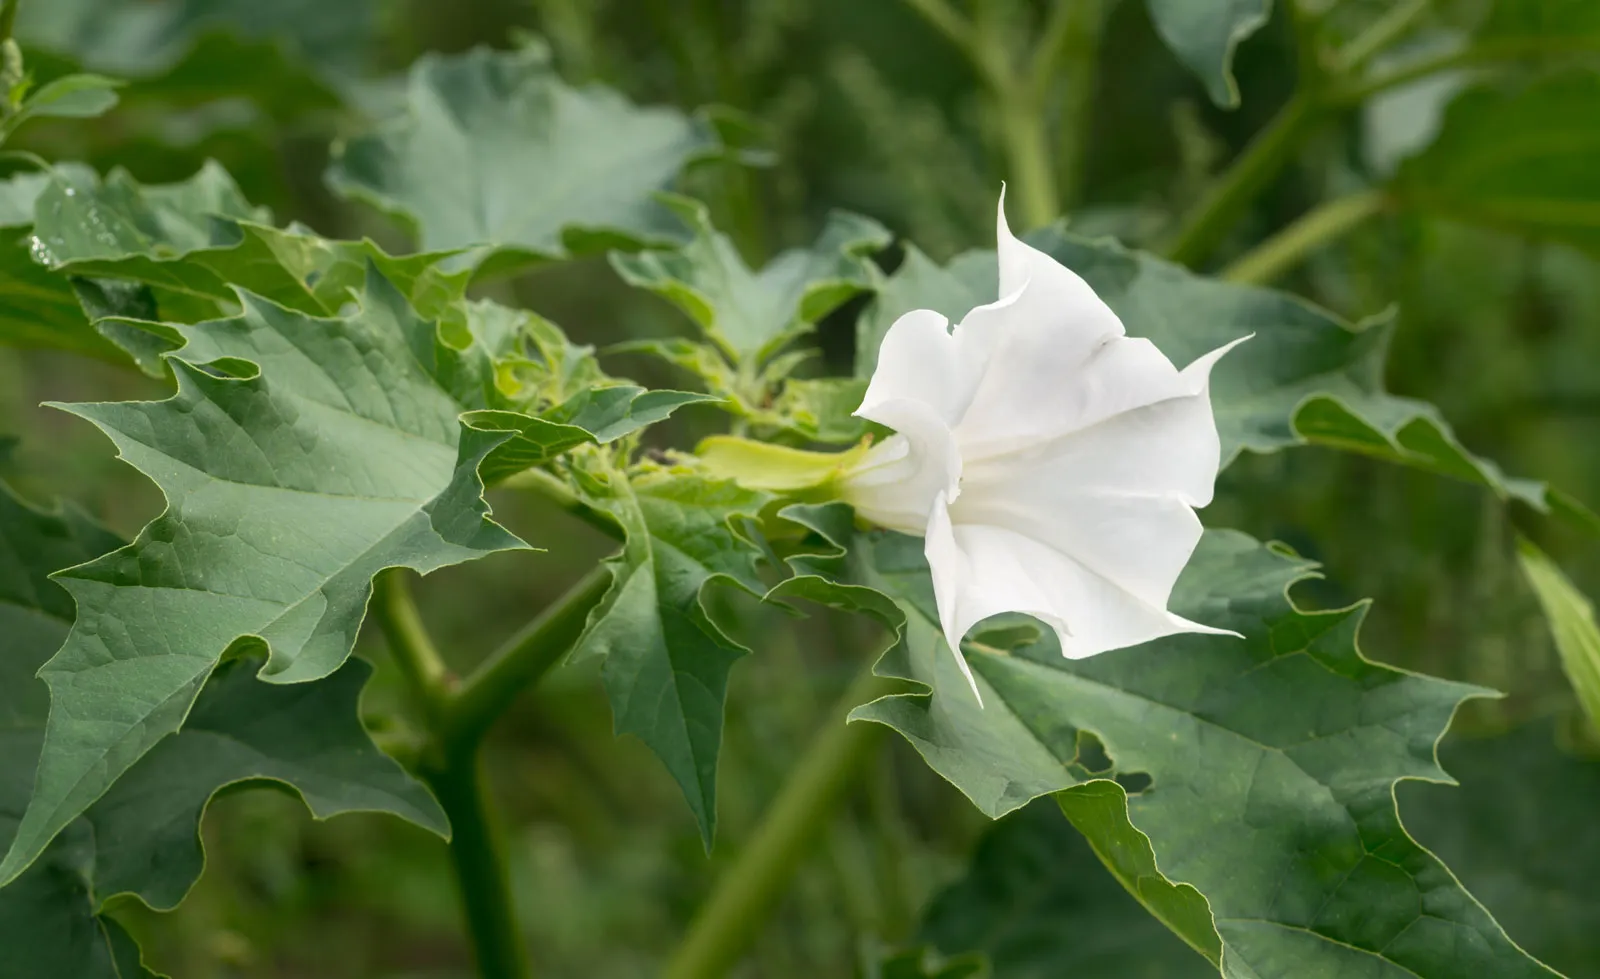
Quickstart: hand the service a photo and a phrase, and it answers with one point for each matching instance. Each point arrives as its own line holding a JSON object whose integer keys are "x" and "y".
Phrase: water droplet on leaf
{"x": 40, "y": 252}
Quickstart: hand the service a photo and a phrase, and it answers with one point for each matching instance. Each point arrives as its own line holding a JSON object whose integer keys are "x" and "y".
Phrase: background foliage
{"x": 1468, "y": 201}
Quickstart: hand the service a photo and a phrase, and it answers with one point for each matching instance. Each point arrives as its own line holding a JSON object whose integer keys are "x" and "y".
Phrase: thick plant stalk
{"x": 478, "y": 856}
{"x": 451, "y": 764}
{"x": 745, "y": 895}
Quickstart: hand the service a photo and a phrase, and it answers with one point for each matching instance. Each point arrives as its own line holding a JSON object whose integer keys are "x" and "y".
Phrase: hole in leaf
{"x": 1134, "y": 783}
{"x": 1092, "y": 754}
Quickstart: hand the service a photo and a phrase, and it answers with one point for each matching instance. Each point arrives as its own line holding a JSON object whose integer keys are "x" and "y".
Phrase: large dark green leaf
{"x": 299, "y": 457}
{"x": 1040, "y": 905}
{"x": 1524, "y": 157}
{"x": 1305, "y": 377}
{"x": 666, "y": 656}
{"x": 1204, "y": 36}
{"x": 496, "y": 154}
{"x": 751, "y": 314}
{"x": 142, "y": 836}
{"x": 1520, "y": 833}
{"x": 1265, "y": 833}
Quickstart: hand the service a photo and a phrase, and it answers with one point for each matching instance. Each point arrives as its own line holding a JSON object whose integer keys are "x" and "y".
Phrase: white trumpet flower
{"x": 1052, "y": 462}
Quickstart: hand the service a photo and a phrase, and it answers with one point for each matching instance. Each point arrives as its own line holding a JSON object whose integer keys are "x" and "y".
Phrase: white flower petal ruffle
{"x": 1051, "y": 462}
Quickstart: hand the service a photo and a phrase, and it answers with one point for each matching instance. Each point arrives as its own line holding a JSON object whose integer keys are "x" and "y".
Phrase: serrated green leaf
{"x": 19, "y": 191}
{"x": 1572, "y": 624}
{"x": 37, "y": 308}
{"x": 821, "y": 409}
{"x": 1204, "y": 36}
{"x": 133, "y": 253}
{"x": 201, "y": 239}
{"x": 496, "y": 154}
{"x": 666, "y": 657}
{"x": 1038, "y": 903}
{"x": 1521, "y": 157}
{"x": 1271, "y": 763}
{"x": 609, "y": 413}
{"x": 752, "y": 314}
{"x": 1305, "y": 377}
{"x": 702, "y": 360}
{"x": 299, "y": 457}
{"x": 81, "y": 221}
{"x": 142, "y": 837}
{"x": 1519, "y": 832}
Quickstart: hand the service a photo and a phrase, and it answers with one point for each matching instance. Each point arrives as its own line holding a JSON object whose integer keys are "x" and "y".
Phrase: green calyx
{"x": 812, "y": 477}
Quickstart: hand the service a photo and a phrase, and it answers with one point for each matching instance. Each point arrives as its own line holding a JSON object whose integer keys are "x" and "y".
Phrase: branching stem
{"x": 457, "y": 717}
{"x": 1327, "y": 221}
{"x": 1203, "y": 229}
{"x": 522, "y": 661}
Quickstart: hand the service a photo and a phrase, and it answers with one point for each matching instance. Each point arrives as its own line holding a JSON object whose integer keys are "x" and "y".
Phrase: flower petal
{"x": 1154, "y": 438}
{"x": 1138, "y": 543}
{"x": 1032, "y": 343}
{"x": 989, "y": 570}
{"x": 950, "y": 576}
{"x": 919, "y": 360}
{"x": 896, "y": 484}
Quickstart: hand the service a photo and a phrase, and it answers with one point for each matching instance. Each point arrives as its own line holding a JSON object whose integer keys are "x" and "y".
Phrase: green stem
{"x": 522, "y": 661}
{"x": 1381, "y": 33}
{"x": 959, "y": 31}
{"x": 1204, "y": 227}
{"x": 1489, "y": 52}
{"x": 1024, "y": 130}
{"x": 8, "y": 18}
{"x": 1027, "y": 144}
{"x": 552, "y": 488}
{"x": 409, "y": 643}
{"x": 476, "y": 852}
{"x": 1322, "y": 224}
{"x": 453, "y": 771}
{"x": 1070, "y": 47}
{"x": 747, "y": 892}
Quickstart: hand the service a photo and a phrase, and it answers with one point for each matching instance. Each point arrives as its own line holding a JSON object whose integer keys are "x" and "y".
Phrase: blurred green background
{"x": 871, "y": 110}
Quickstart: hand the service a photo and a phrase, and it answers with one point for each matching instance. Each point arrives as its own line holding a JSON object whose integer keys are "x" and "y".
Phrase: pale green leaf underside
{"x": 143, "y": 836}
{"x": 666, "y": 658}
{"x": 325, "y": 451}
{"x": 495, "y": 153}
{"x": 1204, "y": 36}
{"x": 1305, "y": 376}
{"x": 1273, "y": 760}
